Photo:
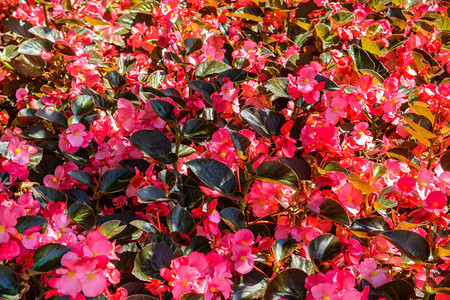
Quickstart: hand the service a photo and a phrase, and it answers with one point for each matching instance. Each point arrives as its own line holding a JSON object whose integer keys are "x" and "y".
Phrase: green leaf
{"x": 126, "y": 63}
{"x": 84, "y": 177}
{"x": 192, "y": 296}
{"x": 34, "y": 46}
{"x": 283, "y": 248}
{"x": 198, "y": 130}
{"x": 46, "y": 194}
{"x": 394, "y": 290}
{"x": 25, "y": 222}
{"x": 192, "y": 44}
{"x": 210, "y": 67}
{"x": 288, "y": 284}
{"x": 116, "y": 79}
{"x": 303, "y": 264}
{"x": 445, "y": 161}
{"x": 32, "y": 66}
{"x": 361, "y": 58}
{"x": 278, "y": 87}
{"x": 235, "y": 75}
{"x": 370, "y": 46}
{"x": 201, "y": 86}
{"x": 265, "y": 122}
{"x": 276, "y": 172}
{"x": 324, "y": 247}
{"x": 250, "y": 286}
{"x": 412, "y": 244}
{"x": 371, "y": 225}
{"x": 115, "y": 180}
{"x": 82, "y": 215}
{"x": 233, "y": 217}
{"x": 240, "y": 142}
{"x": 342, "y": 17}
{"x": 48, "y": 257}
{"x": 36, "y": 132}
{"x": 112, "y": 228}
{"x": 378, "y": 170}
{"x": 163, "y": 109}
{"x": 180, "y": 220}
{"x": 150, "y": 260}
{"x": 299, "y": 165}
{"x": 46, "y": 33}
{"x": 9, "y": 284}
{"x": 383, "y": 201}
{"x": 148, "y": 194}
{"x": 155, "y": 144}
{"x": 52, "y": 116}
{"x": 215, "y": 174}
{"x": 99, "y": 100}
{"x": 10, "y": 52}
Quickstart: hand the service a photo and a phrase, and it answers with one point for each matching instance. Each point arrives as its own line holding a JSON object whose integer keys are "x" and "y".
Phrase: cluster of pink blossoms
{"x": 74, "y": 138}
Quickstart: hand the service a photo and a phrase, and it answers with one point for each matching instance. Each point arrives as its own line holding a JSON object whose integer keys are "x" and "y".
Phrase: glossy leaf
{"x": 214, "y": 174}
{"x": 115, "y": 180}
{"x": 300, "y": 167}
{"x": 148, "y": 194}
{"x": 288, "y": 284}
{"x": 394, "y": 290}
{"x": 192, "y": 45}
{"x": 334, "y": 211}
{"x": 9, "y": 284}
{"x": 82, "y": 215}
{"x": 52, "y": 116}
{"x": 250, "y": 286}
{"x": 409, "y": 243}
{"x": 163, "y": 109}
{"x": 46, "y": 33}
{"x": 35, "y": 46}
{"x": 201, "y": 86}
{"x": 154, "y": 144}
{"x": 84, "y": 177}
{"x": 278, "y": 86}
{"x": 233, "y": 217}
{"x": 324, "y": 247}
{"x": 371, "y": 225}
{"x": 361, "y": 58}
{"x": 180, "y": 220}
{"x": 112, "y": 228}
{"x": 303, "y": 264}
{"x": 48, "y": 194}
{"x": 283, "y": 248}
{"x": 210, "y": 67}
{"x": 150, "y": 260}
{"x": 276, "y": 172}
{"x": 27, "y": 221}
{"x": 48, "y": 257}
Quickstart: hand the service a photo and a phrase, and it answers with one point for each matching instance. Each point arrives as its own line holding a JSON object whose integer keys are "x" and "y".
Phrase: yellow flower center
{"x": 326, "y": 298}
{"x": 243, "y": 257}
{"x": 2, "y": 228}
{"x": 95, "y": 254}
{"x": 71, "y": 274}
{"x": 31, "y": 236}
{"x": 91, "y": 276}
{"x": 349, "y": 198}
{"x": 17, "y": 150}
{"x": 55, "y": 179}
{"x": 212, "y": 289}
{"x": 307, "y": 80}
{"x": 63, "y": 229}
{"x": 335, "y": 109}
{"x": 374, "y": 273}
{"x": 223, "y": 154}
{"x": 76, "y": 133}
{"x": 184, "y": 282}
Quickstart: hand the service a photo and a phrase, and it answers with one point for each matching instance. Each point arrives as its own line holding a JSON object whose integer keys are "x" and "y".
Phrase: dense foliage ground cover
{"x": 224, "y": 149}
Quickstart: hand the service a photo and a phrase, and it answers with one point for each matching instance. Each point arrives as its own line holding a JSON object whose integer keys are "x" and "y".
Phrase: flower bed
{"x": 237, "y": 149}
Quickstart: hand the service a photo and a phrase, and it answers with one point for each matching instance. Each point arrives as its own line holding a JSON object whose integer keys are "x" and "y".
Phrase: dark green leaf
{"x": 115, "y": 180}
{"x": 409, "y": 243}
{"x": 192, "y": 45}
{"x": 214, "y": 174}
{"x": 155, "y": 144}
{"x": 383, "y": 201}
{"x": 126, "y": 63}
{"x": 394, "y": 290}
{"x": 148, "y": 194}
{"x": 46, "y": 194}
{"x": 324, "y": 247}
{"x": 233, "y": 217}
{"x": 34, "y": 46}
{"x": 288, "y": 284}
{"x": 201, "y": 86}
{"x": 180, "y": 220}
{"x": 9, "y": 284}
{"x": 52, "y": 116}
{"x": 371, "y": 225}
{"x": 84, "y": 177}
{"x": 99, "y": 100}
{"x": 333, "y": 210}
{"x": 445, "y": 161}
{"x": 276, "y": 172}
{"x": 116, "y": 79}
{"x": 32, "y": 66}
{"x": 283, "y": 248}
{"x": 25, "y": 222}
{"x": 10, "y": 52}
{"x": 46, "y": 33}
{"x": 163, "y": 109}
{"x": 234, "y": 75}
{"x": 82, "y": 214}
{"x": 150, "y": 260}
{"x": 192, "y": 296}
{"x": 48, "y": 257}
{"x": 361, "y": 58}
{"x": 278, "y": 87}
{"x": 198, "y": 130}
{"x": 250, "y": 286}
{"x": 378, "y": 170}
{"x": 395, "y": 41}
{"x": 172, "y": 56}
{"x": 36, "y": 133}
{"x": 265, "y": 122}
{"x": 299, "y": 165}
{"x": 342, "y": 17}
{"x": 240, "y": 142}
{"x": 210, "y": 67}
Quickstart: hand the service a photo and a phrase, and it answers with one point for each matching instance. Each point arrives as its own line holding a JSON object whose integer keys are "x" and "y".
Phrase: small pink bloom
{"x": 435, "y": 202}
{"x": 244, "y": 260}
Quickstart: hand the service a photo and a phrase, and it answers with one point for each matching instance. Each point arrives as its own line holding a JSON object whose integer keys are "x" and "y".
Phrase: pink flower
{"x": 369, "y": 271}
{"x": 74, "y": 138}
{"x": 435, "y": 202}
{"x": 285, "y": 144}
{"x": 405, "y": 185}
{"x": 8, "y": 222}
{"x": 350, "y": 197}
{"x": 263, "y": 198}
{"x": 244, "y": 260}
{"x": 20, "y": 151}
{"x": 361, "y": 135}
